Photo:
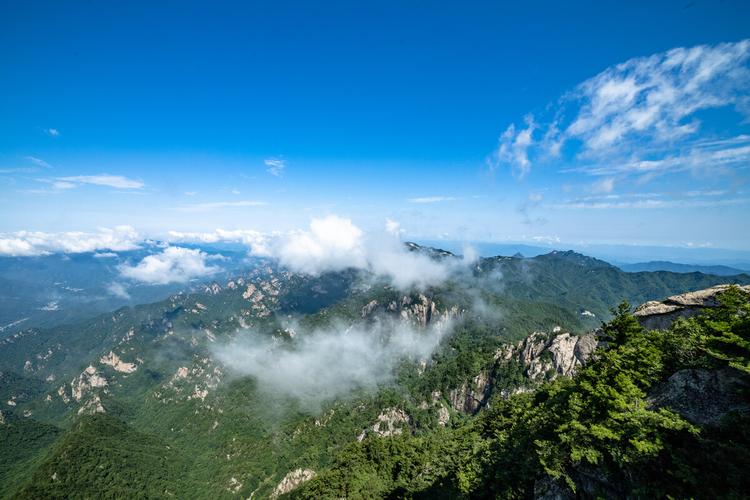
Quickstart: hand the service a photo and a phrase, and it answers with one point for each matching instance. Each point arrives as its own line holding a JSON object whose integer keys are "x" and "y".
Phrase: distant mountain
{"x": 673, "y": 267}
{"x": 50, "y": 290}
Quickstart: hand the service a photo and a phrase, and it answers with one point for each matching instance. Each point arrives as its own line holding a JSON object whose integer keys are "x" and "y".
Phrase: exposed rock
{"x": 702, "y": 396}
{"x": 292, "y": 480}
{"x": 443, "y": 416}
{"x": 119, "y": 365}
{"x": 547, "y": 357}
{"x": 389, "y": 422}
{"x": 423, "y": 311}
{"x": 89, "y": 379}
{"x": 92, "y": 406}
{"x": 658, "y": 315}
{"x": 234, "y": 485}
{"x": 369, "y": 308}
{"x": 470, "y": 397}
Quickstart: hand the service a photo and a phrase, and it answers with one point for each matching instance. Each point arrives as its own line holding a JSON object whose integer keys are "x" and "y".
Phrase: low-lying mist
{"x": 327, "y": 363}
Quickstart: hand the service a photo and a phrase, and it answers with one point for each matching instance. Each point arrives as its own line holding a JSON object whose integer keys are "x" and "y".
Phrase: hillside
{"x": 196, "y": 385}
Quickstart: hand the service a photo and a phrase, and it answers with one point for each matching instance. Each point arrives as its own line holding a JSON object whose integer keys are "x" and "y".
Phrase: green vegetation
{"x": 208, "y": 434}
{"x": 594, "y": 435}
{"x": 101, "y": 457}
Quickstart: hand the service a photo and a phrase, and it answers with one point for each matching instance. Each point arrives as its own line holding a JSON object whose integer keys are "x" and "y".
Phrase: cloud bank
{"x": 172, "y": 265}
{"x": 334, "y": 243}
{"x": 328, "y": 363}
{"x": 32, "y": 243}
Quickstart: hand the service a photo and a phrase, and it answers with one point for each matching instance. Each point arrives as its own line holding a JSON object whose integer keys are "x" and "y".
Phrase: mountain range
{"x": 267, "y": 382}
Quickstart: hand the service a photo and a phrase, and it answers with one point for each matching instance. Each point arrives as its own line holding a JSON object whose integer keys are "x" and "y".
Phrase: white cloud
{"x": 118, "y": 290}
{"x": 256, "y": 241}
{"x": 216, "y": 205}
{"x": 328, "y": 363}
{"x": 431, "y": 199}
{"x": 393, "y": 227}
{"x": 331, "y": 243}
{"x": 334, "y": 243}
{"x": 275, "y": 166}
{"x": 30, "y": 243}
{"x": 105, "y": 255}
{"x": 115, "y": 181}
{"x": 514, "y": 148}
{"x": 640, "y": 115}
{"x": 53, "y": 132}
{"x": 172, "y": 265}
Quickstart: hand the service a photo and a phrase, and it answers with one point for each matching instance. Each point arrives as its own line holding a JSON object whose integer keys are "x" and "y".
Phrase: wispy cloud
{"x": 216, "y": 205}
{"x": 52, "y": 132}
{"x": 649, "y": 204}
{"x": 275, "y": 166}
{"x": 647, "y": 105}
{"x": 431, "y": 199}
{"x": 114, "y": 181}
{"x": 38, "y": 162}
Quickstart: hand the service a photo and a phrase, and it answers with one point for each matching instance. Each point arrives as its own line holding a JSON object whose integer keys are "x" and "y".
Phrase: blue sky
{"x": 467, "y": 121}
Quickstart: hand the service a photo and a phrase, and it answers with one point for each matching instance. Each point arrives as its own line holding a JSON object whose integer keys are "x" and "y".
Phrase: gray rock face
{"x": 658, "y": 315}
{"x": 702, "y": 396}
{"x": 292, "y": 480}
{"x": 420, "y": 310}
{"x": 469, "y": 397}
{"x": 543, "y": 356}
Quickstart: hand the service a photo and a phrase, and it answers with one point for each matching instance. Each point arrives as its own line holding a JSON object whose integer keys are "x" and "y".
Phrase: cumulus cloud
{"x": 646, "y": 104}
{"x": 328, "y": 363}
{"x": 30, "y": 243}
{"x": 275, "y": 166}
{"x": 333, "y": 243}
{"x": 172, "y": 265}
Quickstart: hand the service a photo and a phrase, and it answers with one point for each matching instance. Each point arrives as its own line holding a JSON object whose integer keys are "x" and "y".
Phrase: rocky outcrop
{"x": 390, "y": 422}
{"x": 89, "y": 379}
{"x": 292, "y": 480}
{"x": 117, "y": 364}
{"x": 702, "y": 396}
{"x": 543, "y": 356}
{"x": 92, "y": 406}
{"x": 420, "y": 310}
{"x": 469, "y": 397}
{"x": 660, "y": 314}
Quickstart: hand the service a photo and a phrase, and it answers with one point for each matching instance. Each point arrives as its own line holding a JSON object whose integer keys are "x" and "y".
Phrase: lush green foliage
{"x": 596, "y": 435}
